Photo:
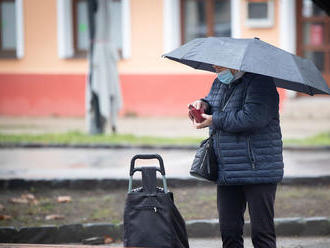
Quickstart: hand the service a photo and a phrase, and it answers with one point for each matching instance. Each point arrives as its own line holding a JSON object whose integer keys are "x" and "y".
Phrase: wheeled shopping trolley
{"x": 150, "y": 218}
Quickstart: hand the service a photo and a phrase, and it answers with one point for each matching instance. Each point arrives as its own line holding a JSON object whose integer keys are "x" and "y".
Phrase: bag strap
{"x": 231, "y": 94}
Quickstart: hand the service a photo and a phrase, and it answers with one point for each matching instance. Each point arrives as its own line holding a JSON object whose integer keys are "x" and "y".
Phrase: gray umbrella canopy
{"x": 252, "y": 55}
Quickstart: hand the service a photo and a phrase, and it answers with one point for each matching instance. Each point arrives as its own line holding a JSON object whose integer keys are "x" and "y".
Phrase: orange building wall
{"x": 43, "y": 84}
{"x": 270, "y": 35}
{"x": 40, "y": 43}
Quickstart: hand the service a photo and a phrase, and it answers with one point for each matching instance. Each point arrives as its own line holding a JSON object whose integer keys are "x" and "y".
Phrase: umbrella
{"x": 252, "y": 55}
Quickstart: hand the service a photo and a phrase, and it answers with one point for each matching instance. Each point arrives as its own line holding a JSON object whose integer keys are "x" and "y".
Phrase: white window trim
{"x": 64, "y": 29}
{"x": 235, "y": 9}
{"x": 261, "y": 23}
{"x": 19, "y": 29}
{"x": 126, "y": 28}
{"x": 171, "y": 25}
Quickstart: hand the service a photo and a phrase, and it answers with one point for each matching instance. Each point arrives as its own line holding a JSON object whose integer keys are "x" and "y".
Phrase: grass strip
{"x": 321, "y": 139}
{"x": 76, "y": 137}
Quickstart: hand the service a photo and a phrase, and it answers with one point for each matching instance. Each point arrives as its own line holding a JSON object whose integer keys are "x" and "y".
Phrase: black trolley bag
{"x": 150, "y": 217}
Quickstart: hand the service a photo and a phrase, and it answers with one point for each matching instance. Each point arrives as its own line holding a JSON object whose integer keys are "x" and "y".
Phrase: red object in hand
{"x": 196, "y": 114}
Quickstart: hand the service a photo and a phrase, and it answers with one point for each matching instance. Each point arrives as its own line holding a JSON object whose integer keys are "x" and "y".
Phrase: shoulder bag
{"x": 205, "y": 166}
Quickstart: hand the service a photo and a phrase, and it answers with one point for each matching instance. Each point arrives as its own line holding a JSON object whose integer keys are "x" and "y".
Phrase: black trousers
{"x": 232, "y": 202}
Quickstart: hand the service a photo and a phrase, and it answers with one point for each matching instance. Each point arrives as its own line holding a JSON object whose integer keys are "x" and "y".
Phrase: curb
{"x": 151, "y": 147}
{"x": 285, "y": 227}
{"x": 97, "y": 146}
{"x": 75, "y": 233}
{"x": 111, "y": 184}
{"x": 52, "y": 234}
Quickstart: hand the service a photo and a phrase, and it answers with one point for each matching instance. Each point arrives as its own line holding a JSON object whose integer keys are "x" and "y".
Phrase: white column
{"x": 171, "y": 25}
{"x": 287, "y": 16}
{"x": 19, "y": 29}
{"x": 64, "y": 29}
{"x": 235, "y": 9}
{"x": 126, "y": 27}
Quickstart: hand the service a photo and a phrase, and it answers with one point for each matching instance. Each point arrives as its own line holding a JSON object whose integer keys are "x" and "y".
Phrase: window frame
{"x": 77, "y": 53}
{"x": 7, "y": 53}
{"x": 301, "y": 47}
{"x": 209, "y": 13}
{"x": 267, "y": 22}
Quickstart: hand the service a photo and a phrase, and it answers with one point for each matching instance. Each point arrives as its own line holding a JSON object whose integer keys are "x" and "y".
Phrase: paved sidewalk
{"x": 313, "y": 242}
{"x": 300, "y": 117}
{"x": 309, "y": 242}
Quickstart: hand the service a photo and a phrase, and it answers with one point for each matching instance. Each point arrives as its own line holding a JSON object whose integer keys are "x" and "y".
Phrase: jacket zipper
{"x": 251, "y": 155}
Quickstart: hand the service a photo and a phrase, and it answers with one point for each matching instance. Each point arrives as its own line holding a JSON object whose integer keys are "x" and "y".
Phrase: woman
{"x": 248, "y": 148}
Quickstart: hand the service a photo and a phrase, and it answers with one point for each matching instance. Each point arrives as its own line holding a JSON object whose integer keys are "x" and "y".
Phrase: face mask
{"x": 225, "y": 76}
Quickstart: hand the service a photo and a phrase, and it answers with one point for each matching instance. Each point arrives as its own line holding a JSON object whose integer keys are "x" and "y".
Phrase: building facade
{"x": 43, "y": 64}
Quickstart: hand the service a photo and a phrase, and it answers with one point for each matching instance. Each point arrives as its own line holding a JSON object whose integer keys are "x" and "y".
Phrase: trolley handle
{"x": 147, "y": 156}
{"x": 140, "y": 169}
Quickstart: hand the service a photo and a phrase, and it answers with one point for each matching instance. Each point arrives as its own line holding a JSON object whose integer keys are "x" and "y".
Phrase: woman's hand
{"x": 198, "y": 104}
{"x": 206, "y": 123}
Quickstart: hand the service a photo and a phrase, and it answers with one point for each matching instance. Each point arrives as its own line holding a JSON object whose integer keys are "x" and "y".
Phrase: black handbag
{"x": 205, "y": 164}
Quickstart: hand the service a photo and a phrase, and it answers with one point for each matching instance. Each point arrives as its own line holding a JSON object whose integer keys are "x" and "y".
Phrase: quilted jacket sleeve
{"x": 209, "y": 97}
{"x": 261, "y": 105}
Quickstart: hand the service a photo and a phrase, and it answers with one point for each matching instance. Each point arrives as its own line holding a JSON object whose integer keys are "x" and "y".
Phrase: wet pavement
{"x": 311, "y": 242}
{"x": 282, "y": 242}
{"x": 73, "y": 163}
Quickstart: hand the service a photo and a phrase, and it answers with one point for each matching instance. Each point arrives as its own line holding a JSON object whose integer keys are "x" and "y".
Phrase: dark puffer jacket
{"x": 248, "y": 140}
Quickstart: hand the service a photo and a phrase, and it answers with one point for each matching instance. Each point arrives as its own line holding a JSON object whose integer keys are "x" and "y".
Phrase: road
{"x": 71, "y": 163}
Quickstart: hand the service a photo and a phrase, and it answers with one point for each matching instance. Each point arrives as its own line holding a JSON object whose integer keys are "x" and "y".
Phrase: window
{"x": 116, "y": 30}
{"x": 73, "y": 26}
{"x": 80, "y": 27}
{"x": 202, "y": 18}
{"x": 260, "y": 13}
{"x": 7, "y": 29}
{"x": 313, "y": 35}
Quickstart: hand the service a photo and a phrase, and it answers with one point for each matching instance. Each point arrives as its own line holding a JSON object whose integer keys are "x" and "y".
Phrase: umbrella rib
{"x": 246, "y": 48}
{"x": 299, "y": 73}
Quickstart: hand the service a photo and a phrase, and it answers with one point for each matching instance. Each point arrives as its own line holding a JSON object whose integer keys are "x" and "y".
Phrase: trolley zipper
{"x": 155, "y": 209}
{"x": 251, "y": 155}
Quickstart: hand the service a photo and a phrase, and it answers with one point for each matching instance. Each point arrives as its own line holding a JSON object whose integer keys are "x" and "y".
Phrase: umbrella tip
{"x": 257, "y": 38}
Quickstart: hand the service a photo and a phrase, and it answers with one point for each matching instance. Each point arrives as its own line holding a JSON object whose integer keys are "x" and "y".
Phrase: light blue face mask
{"x": 225, "y": 76}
